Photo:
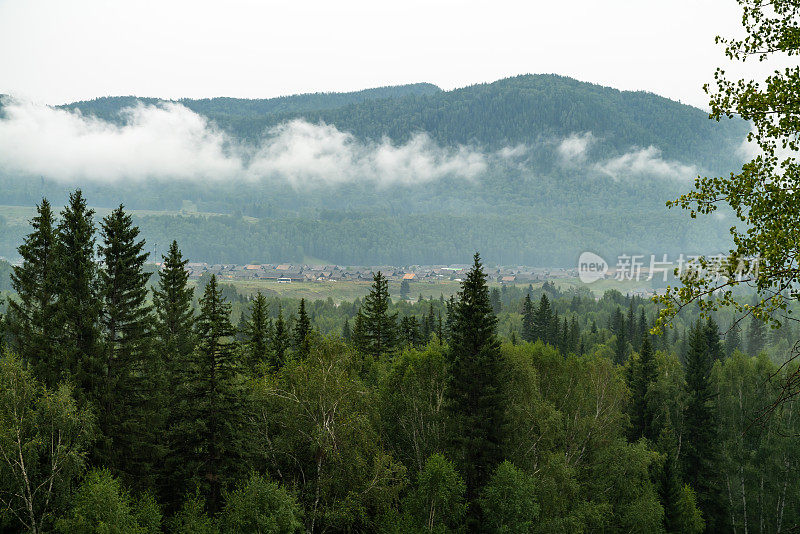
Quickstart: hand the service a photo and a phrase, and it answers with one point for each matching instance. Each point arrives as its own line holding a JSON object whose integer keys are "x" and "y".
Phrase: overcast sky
{"x": 56, "y": 51}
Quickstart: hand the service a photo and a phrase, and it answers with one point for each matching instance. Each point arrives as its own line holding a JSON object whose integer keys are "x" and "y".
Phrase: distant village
{"x": 294, "y": 273}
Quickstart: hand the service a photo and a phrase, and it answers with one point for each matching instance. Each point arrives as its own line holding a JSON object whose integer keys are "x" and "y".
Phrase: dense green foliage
{"x": 527, "y": 409}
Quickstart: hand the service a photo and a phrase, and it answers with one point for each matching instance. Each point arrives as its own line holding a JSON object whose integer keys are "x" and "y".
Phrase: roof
{"x": 409, "y": 276}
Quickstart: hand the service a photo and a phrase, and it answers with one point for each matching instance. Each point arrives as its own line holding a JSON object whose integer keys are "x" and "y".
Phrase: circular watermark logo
{"x": 591, "y": 267}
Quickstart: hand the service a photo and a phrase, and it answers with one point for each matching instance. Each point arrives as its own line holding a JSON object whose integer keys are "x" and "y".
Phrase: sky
{"x": 53, "y": 51}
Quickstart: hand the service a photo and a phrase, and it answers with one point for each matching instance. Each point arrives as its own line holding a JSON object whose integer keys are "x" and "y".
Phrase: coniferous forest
{"x": 136, "y": 402}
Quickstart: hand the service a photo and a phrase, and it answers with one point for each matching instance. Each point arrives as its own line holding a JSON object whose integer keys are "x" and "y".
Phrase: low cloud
{"x": 574, "y": 148}
{"x": 304, "y": 152}
{"x": 644, "y": 163}
{"x": 171, "y": 141}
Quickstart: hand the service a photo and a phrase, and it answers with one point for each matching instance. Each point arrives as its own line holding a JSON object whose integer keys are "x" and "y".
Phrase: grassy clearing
{"x": 339, "y": 291}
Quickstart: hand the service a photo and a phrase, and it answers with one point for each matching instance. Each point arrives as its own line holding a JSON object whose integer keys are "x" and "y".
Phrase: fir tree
{"x": 172, "y": 301}
{"x": 701, "y": 455}
{"x": 174, "y": 325}
{"x": 126, "y": 411}
{"x": 528, "y": 319}
{"x": 346, "y": 332}
{"x": 257, "y": 334}
{"x": 405, "y": 288}
{"x": 379, "y": 331}
{"x": 494, "y": 297}
{"x": 301, "y": 331}
{"x": 409, "y": 331}
{"x": 644, "y": 372}
{"x": 449, "y": 318}
{"x": 30, "y": 318}
{"x": 475, "y": 402}
{"x": 542, "y": 321}
{"x": 281, "y": 339}
{"x": 78, "y": 304}
{"x": 733, "y": 340}
{"x": 620, "y": 331}
{"x": 756, "y": 336}
{"x": 713, "y": 340}
{"x": 641, "y": 329}
{"x": 209, "y": 441}
{"x": 574, "y": 334}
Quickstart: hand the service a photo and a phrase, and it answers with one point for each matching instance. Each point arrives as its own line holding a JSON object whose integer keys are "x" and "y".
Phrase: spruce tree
{"x": 208, "y": 442}
{"x": 379, "y": 335}
{"x": 644, "y": 372}
{"x": 543, "y": 319}
{"x": 620, "y": 332}
{"x": 280, "y": 342}
{"x": 449, "y": 318}
{"x": 756, "y": 336}
{"x": 641, "y": 329}
{"x": 474, "y": 399}
{"x": 701, "y": 454}
{"x": 713, "y": 340}
{"x": 574, "y": 334}
{"x": 257, "y": 332}
{"x": 733, "y": 340}
{"x": 174, "y": 325}
{"x": 172, "y": 301}
{"x": 528, "y": 319}
{"x": 126, "y": 413}
{"x": 409, "y": 331}
{"x": 29, "y": 319}
{"x": 301, "y": 331}
{"x": 77, "y": 313}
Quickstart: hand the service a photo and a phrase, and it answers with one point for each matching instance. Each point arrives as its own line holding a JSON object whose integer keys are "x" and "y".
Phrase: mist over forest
{"x": 530, "y": 170}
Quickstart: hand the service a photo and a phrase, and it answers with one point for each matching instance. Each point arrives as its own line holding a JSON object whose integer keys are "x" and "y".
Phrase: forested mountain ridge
{"x": 522, "y": 109}
{"x": 224, "y": 107}
{"x": 531, "y": 170}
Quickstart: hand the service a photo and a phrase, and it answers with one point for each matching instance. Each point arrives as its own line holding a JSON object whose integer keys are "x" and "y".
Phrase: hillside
{"x": 532, "y": 169}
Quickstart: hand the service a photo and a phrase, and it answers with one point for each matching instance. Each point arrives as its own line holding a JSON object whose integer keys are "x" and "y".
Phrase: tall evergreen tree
{"x": 30, "y": 315}
{"x": 733, "y": 340}
{"x": 281, "y": 339}
{"x": 379, "y": 335}
{"x": 126, "y": 413}
{"x": 346, "y": 331}
{"x": 449, "y": 318}
{"x": 475, "y": 403}
{"x": 209, "y": 441}
{"x": 172, "y": 301}
{"x": 78, "y": 303}
{"x": 409, "y": 331}
{"x": 641, "y": 329}
{"x": 701, "y": 454}
{"x": 174, "y": 326}
{"x": 301, "y": 330}
{"x": 257, "y": 330}
{"x": 528, "y": 319}
{"x": 644, "y": 372}
{"x": 543, "y": 319}
{"x": 621, "y": 334}
{"x": 756, "y": 336}
{"x": 713, "y": 340}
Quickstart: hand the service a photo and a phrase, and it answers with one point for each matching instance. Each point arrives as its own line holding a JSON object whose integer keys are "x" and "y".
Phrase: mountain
{"x": 532, "y": 170}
